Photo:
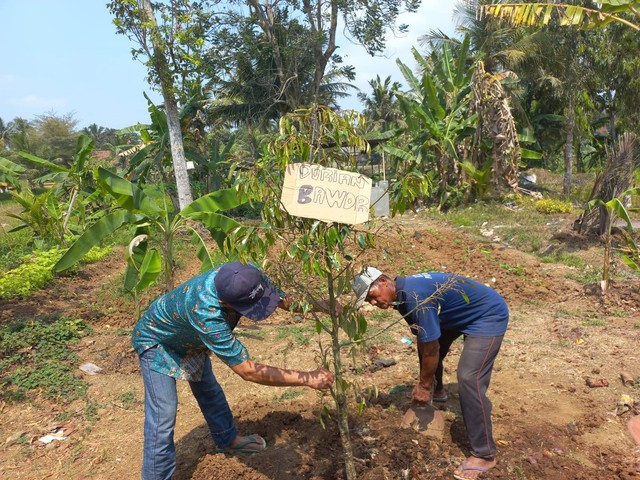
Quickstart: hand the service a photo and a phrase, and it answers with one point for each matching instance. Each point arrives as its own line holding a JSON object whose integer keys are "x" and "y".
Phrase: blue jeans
{"x": 160, "y": 408}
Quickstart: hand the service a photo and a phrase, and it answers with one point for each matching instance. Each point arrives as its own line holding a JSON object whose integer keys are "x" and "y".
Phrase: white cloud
{"x": 40, "y": 103}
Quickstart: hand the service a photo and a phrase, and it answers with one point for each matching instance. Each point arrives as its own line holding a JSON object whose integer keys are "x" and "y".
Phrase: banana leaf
{"x": 93, "y": 236}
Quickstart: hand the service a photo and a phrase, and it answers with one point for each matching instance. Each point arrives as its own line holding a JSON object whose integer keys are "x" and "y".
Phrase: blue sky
{"x": 63, "y": 56}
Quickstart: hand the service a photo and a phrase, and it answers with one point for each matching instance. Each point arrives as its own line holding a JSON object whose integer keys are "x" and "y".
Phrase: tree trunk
{"x": 340, "y": 397}
{"x": 568, "y": 148}
{"x": 160, "y": 64}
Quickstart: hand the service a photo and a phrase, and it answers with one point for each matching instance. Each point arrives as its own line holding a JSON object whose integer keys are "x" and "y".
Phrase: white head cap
{"x": 362, "y": 283}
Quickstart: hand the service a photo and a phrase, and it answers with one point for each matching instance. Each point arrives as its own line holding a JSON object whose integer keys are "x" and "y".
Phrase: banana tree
{"x": 436, "y": 109}
{"x": 10, "y": 173}
{"x": 615, "y": 208}
{"x": 68, "y": 181}
{"x": 135, "y": 208}
{"x": 599, "y": 15}
{"x": 153, "y": 160}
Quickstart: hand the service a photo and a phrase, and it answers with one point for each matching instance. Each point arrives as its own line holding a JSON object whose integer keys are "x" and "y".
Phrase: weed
{"x": 91, "y": 411}
{"x": 65, "y": 415}
{"x": 565, "y": 259}
{"x": 587, "y": 277}
{"x": 35, "y": 271}
{"x": 300, "y": 334}
{"x": 123, "y": 332}
{"x": 518, "y": 270}
{"x": 519, "y": 472}
{"x": 594, "y": 323}
{"x": 256, "y": 335}
{"x": 127, "y": 400}
{"x": 534, "y": 302}
{"x": 36, "y": 359}
{"x": 291, "y": 393}
{"x": 636, "y": 325}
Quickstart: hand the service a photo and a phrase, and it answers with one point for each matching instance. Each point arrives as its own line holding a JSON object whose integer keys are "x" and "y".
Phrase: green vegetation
{"x": 289, "y": 394}
{"x": 36, "y": 359}
{"x": 594, "y": 323}
{"x": 128, "y": 400}
{"x": 549, "y": 205}
{"x": 300, "y": 334}
{"x": 36, "y": 271}
{"x": 517, "y": 270}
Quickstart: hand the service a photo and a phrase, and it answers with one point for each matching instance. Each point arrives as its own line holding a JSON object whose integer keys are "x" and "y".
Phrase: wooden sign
{"x": 326, "y": 194}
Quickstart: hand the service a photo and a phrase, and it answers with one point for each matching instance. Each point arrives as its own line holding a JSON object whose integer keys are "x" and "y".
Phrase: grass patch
{"x": 521, "y": 226}
{"x": 587, "y": 277}
{"x": 36, "y": 359}
{"x": 518, "y": 270}
{"x": 594, "y": 323}
{"x": 301, "y": 335}
{"x": 290, "y": 394}
{"x": 127, "y": 400}
{"x": 565, "y": 259}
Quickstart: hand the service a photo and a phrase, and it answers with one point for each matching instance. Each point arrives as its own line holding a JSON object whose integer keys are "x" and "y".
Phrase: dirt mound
{"x": 548, "y": 423}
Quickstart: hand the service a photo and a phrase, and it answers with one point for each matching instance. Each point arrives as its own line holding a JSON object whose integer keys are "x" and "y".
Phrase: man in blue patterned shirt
{"x": 173, "y": 340}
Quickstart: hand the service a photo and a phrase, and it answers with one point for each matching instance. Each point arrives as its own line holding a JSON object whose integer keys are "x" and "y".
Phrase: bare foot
{"x": 472, "y": 468}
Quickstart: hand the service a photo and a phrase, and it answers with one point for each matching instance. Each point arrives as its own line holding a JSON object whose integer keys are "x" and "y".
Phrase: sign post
{"x": 326, "y": 194}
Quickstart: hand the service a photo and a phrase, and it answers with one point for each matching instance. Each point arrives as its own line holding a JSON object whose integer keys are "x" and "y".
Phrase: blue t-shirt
{"x": 432, "y": 301}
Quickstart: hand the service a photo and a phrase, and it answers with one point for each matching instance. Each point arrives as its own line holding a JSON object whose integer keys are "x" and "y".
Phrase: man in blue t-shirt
{"x": 440, "y": 307}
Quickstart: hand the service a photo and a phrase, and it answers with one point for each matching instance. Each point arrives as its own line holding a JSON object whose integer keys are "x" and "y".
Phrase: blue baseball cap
{"x": 246, "y": 290}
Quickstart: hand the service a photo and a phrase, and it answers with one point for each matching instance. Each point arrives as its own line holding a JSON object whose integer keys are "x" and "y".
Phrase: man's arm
{"x": 429, "y": 356}
{"x": 251, "y": 371}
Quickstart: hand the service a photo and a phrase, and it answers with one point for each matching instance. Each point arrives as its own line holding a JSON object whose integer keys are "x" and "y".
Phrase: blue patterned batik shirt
{"x": 184, "y": 325}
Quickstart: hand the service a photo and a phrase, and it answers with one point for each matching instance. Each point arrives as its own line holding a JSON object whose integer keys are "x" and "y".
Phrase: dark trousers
{"x": 474, "y": 374}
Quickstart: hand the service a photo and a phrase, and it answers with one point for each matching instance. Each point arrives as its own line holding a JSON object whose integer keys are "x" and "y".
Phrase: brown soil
{"x": 548, "y": 423}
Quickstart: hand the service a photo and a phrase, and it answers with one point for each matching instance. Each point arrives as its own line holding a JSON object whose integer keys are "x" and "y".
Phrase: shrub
{"x": 35, "y": 271}
{"x": 548, "y": 205}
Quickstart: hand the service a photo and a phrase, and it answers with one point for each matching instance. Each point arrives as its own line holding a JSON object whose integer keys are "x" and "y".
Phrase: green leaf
{"x": 42, "y": 162}
{"x": 216, "y": 221}
{"x": 201, "y": 251}
{"x": 9, "y": 167}
{"x": 150, "y": 269}
{"x": 126, "y": 194}
{"x": 217, "y": 201}
{"x": 92, "y": 237}
{"x": 530, "y": 154}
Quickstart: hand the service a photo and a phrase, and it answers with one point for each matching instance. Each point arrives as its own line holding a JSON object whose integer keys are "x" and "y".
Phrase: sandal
{"x": 473, "y": 470}
{"x": 242, "y": 446}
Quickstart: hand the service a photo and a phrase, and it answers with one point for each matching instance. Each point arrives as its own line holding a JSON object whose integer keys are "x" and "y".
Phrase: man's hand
{"x": 323, "y": 306}
{"x": 421, "y": 394}
{"x": 321, "y": 379}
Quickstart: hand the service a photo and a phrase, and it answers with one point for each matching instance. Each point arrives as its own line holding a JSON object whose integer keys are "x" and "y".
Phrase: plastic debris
{"x": 406, "y": 340}
{"x": 57, "y": 435}
{"x": 90, "y": 368}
